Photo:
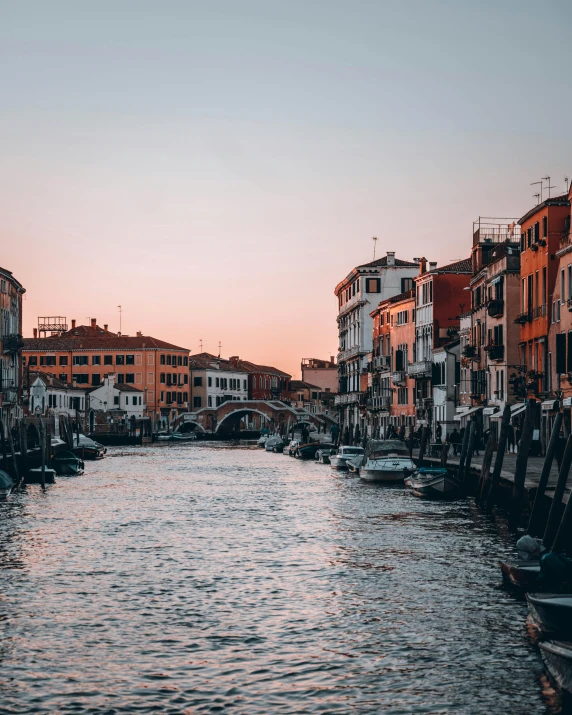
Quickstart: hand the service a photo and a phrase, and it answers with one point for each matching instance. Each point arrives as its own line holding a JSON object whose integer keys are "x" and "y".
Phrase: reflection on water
{"x": 203, "y": 578}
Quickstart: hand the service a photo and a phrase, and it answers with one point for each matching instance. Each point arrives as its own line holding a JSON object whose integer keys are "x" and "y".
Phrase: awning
{"x": 550, "y": 406}
{"x": 468, "y": 412}
{"x": 490, "y": 411}
{"x": 514, "y": 410}
{"x": 567, "y": 402}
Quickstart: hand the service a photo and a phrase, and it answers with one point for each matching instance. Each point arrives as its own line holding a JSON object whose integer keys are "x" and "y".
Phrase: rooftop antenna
{"x": 537, "y": 197}
{"x": 219, "y": 347}
{"x": 374, "y": 239}
{"x": 547, "y": 178}
{"x": 534, "y": 183}
{"x": 201, "y": 345}
{"x": 567, "y": 183}
{"x": 120, "y": 311}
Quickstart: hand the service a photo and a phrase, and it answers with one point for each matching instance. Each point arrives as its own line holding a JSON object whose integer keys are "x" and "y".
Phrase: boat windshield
{"x": 352, "y": 450}
{"x": 378, "y": 450}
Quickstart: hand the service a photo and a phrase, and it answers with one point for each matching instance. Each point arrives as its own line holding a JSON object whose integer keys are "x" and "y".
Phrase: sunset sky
{"x": 217, "y": 167}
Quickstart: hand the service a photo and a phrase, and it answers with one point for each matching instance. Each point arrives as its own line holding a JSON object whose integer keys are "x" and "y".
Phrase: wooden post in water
{"x": 3, "y": 440}
{"x": 24, "y": 450}
{"x": 492, "y": 489}
{"x": 486, "y": 468}
{"x": 463, "y": 457}
{"x": 534, "y": 525}
{"x": 48, "y": 444}
{"x": 520, "y": 468}
{"x": 43, "y": 451}
{"x": 422, "y": 445}
{"x": 445, "y": 454}
{"x": 14, "y": 460}
{"x": 556, "y": 507}
{"x": 470, "y": 448}
{"x": 563, "y": 534}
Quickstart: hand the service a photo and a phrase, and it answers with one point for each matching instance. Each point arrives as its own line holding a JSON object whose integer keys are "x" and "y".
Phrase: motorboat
{"x": 551, "y": 613}
{"x": 557, "y": 656}
{"x": 262, "y": 441}
{"x": 433, "y": 483}
{"x": 310, "y": 449}
{"x": 339, "y": 460}
{"x": 6, "y": 484}
{"x": 67, "y": 464}
{"x": 182, "y": 437}
{"x": 387, "y": 461}
{"x": 274, "y": 444}
{"x": 291, "y": 447}
{"x": 355, "y": 464}
{"x": 323, "y": 454}
{"x": 88, "y": 448}
{"x": 520, "y": 574}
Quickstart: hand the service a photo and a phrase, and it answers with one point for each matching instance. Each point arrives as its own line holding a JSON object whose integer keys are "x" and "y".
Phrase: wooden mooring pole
{"x": 14, "y": 460}
{"x": 470, "y": 449}
{"x": 535, "y": 528}
{"x": 524, "y": 445}
{"x": 556, "y": 507}
{"x": 422, "y": 445}
{"x": 486, "y": 468}
{"x": 562, "y": 539}
{"x": 43, "y": 451}
{"x": 463, "y": 457}
{"x": 491, "y": 491}
{"x": 24, "y": 451}
{"x": 3, "y": 440}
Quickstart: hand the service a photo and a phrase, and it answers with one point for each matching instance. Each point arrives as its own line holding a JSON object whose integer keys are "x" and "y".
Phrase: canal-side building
{"x": 440, "y": 295}
{"x": 214, "y": 380}
{"x": 358, "y": 294}
{"x": 323, "y": 373}
{"x": 311, "y": 398}
{"x": 126, "y": 401}
{"x": 43, "y": 394}
{"x": 11, "y": 294}
{"x": 85, "y": 353}
{"x": 264, "y": 381}
{"x": 445, "y": 379}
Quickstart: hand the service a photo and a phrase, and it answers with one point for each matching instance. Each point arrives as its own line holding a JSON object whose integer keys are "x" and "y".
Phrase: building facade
{"x": 11, "y": 293}
{"x": 323, "y": 373}
{"x": 113, "y": 396}
{"x": 214, "y": 381}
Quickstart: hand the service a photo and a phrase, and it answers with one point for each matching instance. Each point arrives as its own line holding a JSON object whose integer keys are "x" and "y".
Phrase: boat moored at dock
{"x": 433, "y": 483}
{"x": 340, "y": 458}
{"x": 551, "y": 613}
{"x": 386, "y": 462}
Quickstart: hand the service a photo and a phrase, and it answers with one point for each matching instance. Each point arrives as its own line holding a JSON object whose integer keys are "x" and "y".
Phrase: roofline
{"x": 8, "y": 274}
{"x": 555, "y": 201}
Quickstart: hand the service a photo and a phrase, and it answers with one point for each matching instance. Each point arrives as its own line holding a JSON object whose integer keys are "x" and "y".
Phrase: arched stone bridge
{"x": 226, "y": 418}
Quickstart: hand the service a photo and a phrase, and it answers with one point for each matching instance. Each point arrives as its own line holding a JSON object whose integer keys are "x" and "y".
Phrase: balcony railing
{"x": 420, "y": 369}
{"x": 350, "y": 352}
{"x": 380, "y": 362}
{"x": 496, "y": 352}
{"x": 379, "y": 402}
{"x": 398, "y": 377}
{"x": 496, "y": 308}
{"x": 523, "y": 318}
{"x": 350, "y": 398}
{"x": 539, "y": 311}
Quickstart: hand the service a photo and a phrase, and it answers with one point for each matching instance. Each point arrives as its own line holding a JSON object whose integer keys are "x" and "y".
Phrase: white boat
{"x": 340, "y": 459}
{"x": 557, "y": 656}
{"x": 6, "y": 485}
{"x": 262, "y": 441}
{"x": 387, "y": 461}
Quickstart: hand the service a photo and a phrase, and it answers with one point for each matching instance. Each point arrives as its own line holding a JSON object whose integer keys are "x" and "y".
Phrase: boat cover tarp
{"x": 555, "y": 569}
{"x": 5, "y": 480}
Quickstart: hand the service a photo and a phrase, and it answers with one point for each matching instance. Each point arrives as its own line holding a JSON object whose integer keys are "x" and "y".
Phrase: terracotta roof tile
{"x": 105, "y": 342}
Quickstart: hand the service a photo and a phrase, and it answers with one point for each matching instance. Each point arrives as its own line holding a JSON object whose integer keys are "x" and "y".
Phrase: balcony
{"x": 12, "y": 343}
{"x": 523, "y": 318}
{"x": 381, "y": 362}
{"x": 350, "y": 398}
{"x": 351, "y": 352}
{"x": 398, "y": 377}
{"x": 496, "y": 352}
{"x": 379, "y": 402}
{"x": 539, "y": 312}
{"x": 420, "y": 369}
{"x": 496, "y": 308}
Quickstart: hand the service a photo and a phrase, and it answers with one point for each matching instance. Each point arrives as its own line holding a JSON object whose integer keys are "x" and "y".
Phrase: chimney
{"x": 73, "y": 324}
{"x": 35, "y": 332}
{"x": 234, "y": 360}
{"x": 139, "y": 334}
{"x": 105, "y": 327}
{"x": 422, "y": 266}
{"x": 93, "y": 322}
{"x": 332, "y": 358}
{"x": 391, "y": 258}
{"x": 432, "y": 265}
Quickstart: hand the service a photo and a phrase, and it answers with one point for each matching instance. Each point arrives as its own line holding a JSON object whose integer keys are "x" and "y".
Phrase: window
{"x": 162, "y": 360}
{"x": 210, "y": 382}
{"x": 33, "y": 360}
{"x": 120, "y": 359}
{"x": 138, "y": 378}
{"x": 185, "y": 396}
{"x": 168, "y": 397}
{"x": 149, "y": 378}
{"x": 217, "y": 382}
{"x": 63, "y": 359}
{"x": 162, "y": 378}
{"x": 544, "y": 226}
{"x": 162, "y": 397}
{"x": 108, "y": 359}
{"x": 63, "y": 376}
{"x": 138, "y": 360}
{"x": 179, "y": 360}
{"x": 120, "y": 378}
{"x": 210, "y": 401}
{"x": 130, "y": 359}
{"x": 116, "y": 400}
{"x": 406, "y": 284}
{"x": 244, "y": 384}
{"x": 186, "y": 378}
{"x": 197, "y": 382}
{"x": 135, "y": 400}
{"x": 96, "y": 359}
{"x": 373, "y": 285}
{"x": 197, "y": 401}
{"x": 47, "y": 360}
{"x": 130, "y": 378}
{"x": 186, "y": 362}
{"x": 80, "y": 379}
{"x": 560, "y": 353}
{"x": 402, "y": 317}
{"x": 150, "y": 359}
{"x": 168, "y": 359}
{"x": 80, "y": 359}
{"x": 96, "y": 379}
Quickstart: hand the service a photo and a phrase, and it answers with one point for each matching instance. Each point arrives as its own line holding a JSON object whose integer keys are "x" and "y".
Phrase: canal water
{"x": 205, "y": 578}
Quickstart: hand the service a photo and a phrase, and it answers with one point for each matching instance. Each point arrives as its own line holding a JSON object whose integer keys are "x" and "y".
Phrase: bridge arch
{"x": 196, "y": 426}
{"x": 245, "y": 411}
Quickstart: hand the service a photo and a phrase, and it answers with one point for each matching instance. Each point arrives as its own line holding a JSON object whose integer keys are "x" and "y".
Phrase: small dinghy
{"x": 339, "y": 460}
{"x": 552, "y": 613}
{"x": 35, "y": 476}
{"x": 66, "y": 463}
{"x": 557, "y": 656}
{"x": 520, "y": 574}
{"x": 433, "y": 483}
{"x": 6, "y": 485}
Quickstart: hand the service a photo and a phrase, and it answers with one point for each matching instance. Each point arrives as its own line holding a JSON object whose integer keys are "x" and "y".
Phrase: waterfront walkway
{"x": 533, "y": 470}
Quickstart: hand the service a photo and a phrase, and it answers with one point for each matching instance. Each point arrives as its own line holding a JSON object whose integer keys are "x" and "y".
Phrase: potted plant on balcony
{"x": 469, "y": 351}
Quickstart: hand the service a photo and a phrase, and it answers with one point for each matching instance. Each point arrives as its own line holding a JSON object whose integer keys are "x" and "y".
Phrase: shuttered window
{"x": 569, "y": 360}
{"x": 561, "y": 353}
{"x": 373, "y": 285}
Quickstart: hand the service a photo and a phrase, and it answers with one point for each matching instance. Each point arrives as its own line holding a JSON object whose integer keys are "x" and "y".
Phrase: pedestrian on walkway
{"x": 455, "y": 440}
{"x": 509, "y": 438}
{"x": 517, "y": 438}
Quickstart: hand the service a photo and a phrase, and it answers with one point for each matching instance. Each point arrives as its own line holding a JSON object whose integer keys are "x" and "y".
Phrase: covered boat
{"x": 557, "y": 656}
{"x": 66, "y": 463}
{"x": 433, "y": 483}
{"x": 6, "y": 484}
{"x": 552, "y": 613}
{"x": 274, "y": 444}
{"x": 387, "y": 461}
{"x": 88, "y": 448}
{"x": 339, "y": 460}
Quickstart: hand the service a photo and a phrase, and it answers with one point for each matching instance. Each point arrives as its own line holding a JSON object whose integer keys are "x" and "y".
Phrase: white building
{"x": 111, "y": 396}
{"x": 358, "y": 294}
{"x": 446, "y": 369}
{"x": 215, "y": 380}
{"x": 47, "y": 395}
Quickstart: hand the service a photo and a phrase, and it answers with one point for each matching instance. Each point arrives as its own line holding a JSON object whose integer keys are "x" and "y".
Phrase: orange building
{"x": 542, "y": 229}
{"x": 86, "y": 353}
{"x": 392, "y": 393}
